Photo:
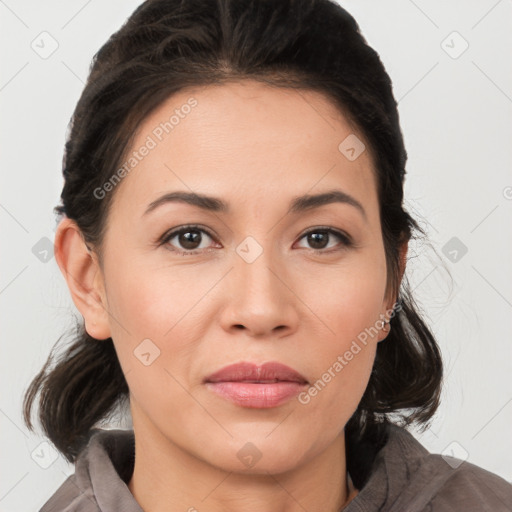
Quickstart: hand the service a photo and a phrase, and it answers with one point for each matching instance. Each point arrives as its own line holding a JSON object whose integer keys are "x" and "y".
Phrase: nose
{"x": 260, "y": 299}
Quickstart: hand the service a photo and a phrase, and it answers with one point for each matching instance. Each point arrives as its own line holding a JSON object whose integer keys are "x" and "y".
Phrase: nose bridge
{"x": 255, "y": 267}
{"x": 259, "y": 301}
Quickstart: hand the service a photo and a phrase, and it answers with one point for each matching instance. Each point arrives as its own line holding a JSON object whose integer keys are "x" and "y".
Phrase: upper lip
{"x": 246, "y": 371}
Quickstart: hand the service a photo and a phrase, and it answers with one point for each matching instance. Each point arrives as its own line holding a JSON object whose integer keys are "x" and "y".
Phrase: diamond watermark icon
{"x": 44, "y": 454}
{"x": 45, "y": 45}
{"x": 146, "y": 352}
{"x": 454, "y": 249}
{"x": 455, "y": 454}
{"x": 351, "y": 147}
{"x": 249, "y": 249}
{"x": 454, "y": 45}
{"x": 249, "y": 455}
{"x": 43, "y": 249}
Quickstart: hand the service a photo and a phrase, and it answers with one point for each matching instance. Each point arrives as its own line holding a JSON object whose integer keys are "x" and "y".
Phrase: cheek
{"x": 334, "y": 397}
{"x": 149, "y": 301}
{"x": 345, "y": 299}
{"x": 150, "y": 342}
{"x": 156, "y": 319}
{"x": 343, "y": 365}
{"x": 348, "y": 304}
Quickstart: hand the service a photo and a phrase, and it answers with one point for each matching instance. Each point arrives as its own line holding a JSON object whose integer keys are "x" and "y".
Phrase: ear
{"x": 82, "y": 272}
{"x": 402, "y": 264}
{"x": 403, "y": 258}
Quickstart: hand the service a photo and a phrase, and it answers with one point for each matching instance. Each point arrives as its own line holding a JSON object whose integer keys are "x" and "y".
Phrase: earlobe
{"x": 82, "y": 273}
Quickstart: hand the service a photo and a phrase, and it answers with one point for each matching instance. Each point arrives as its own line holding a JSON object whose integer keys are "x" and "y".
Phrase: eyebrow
{"x": 298, "y": 204}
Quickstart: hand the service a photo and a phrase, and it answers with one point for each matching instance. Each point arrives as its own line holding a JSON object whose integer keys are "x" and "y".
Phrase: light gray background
{"x": 456, "y": 118}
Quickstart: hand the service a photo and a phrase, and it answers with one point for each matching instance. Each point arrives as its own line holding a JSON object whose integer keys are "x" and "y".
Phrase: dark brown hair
{"x": 168, "y": 45}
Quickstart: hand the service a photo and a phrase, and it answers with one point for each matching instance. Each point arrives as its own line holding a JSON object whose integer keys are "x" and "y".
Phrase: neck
{"x": 167, "y": 477}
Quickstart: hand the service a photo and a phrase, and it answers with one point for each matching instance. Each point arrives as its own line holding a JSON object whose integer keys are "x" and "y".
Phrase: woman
{"x": 233, "y": 235}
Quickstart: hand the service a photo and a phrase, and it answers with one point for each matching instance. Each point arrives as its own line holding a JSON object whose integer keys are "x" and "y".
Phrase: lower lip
{"x": 261, "y": 396}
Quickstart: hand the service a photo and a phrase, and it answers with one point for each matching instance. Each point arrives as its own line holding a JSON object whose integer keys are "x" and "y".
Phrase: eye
{"x": 188, "y": 238}
{"x": 319, "y": 238}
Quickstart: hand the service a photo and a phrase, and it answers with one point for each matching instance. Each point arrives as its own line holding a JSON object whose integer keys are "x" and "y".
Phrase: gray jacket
{"x": 401, "y": 476}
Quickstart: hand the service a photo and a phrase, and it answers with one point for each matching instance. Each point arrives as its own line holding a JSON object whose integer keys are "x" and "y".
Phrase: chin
{"x": 259, "y": 456}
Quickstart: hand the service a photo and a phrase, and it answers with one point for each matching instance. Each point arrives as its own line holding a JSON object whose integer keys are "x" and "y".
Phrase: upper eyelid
{"x": 171, "y": 233}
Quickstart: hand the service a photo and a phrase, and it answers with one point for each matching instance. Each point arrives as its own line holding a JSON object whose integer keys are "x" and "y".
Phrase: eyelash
{"x": 169, "y": 235}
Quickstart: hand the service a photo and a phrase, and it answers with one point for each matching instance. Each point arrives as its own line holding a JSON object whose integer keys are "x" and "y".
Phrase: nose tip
{"x": 258, "y": 301}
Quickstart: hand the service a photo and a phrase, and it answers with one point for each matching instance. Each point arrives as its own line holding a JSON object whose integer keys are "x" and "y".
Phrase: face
{"x": 256, "y": 281}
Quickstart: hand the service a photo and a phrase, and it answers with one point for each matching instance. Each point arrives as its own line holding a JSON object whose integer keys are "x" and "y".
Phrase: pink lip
{"x": 249, "y": 385}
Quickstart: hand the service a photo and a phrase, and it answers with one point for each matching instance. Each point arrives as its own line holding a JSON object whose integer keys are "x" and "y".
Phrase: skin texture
{"x": 255, "y": 147}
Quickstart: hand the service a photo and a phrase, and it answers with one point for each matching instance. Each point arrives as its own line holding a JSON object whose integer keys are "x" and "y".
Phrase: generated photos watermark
{"x": 343, "y": 360}
{"x": 151, "y": 142}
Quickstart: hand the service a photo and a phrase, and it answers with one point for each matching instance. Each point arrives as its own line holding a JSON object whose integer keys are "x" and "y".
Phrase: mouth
{"x": 248, "y": 385}
{"x": 268, "y": 373}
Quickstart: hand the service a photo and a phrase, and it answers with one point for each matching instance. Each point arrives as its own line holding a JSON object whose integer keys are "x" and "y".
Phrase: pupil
{"x": 316, "y": 238}
{"x": 187, "y": 239}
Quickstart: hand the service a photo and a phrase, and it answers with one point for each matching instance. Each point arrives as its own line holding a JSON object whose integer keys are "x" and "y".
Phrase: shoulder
{"x": 101, "y": 471}
{"x": 441, "y": 483}
{"x": 468, "y": 487}
{"x": 69, "y": 497}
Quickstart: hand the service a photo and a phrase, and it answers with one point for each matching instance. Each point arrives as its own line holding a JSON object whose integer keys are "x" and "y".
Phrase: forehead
{"x": 244, "y": 140}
